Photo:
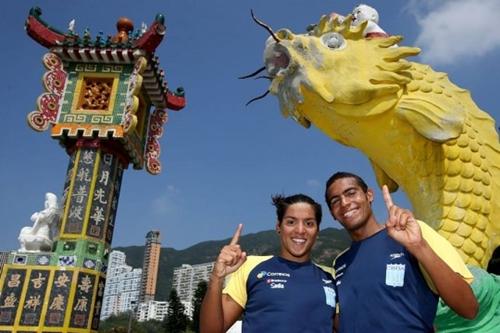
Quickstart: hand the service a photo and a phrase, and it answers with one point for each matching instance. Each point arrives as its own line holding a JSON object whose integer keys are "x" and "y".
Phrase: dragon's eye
{"x": 333, "y": 40}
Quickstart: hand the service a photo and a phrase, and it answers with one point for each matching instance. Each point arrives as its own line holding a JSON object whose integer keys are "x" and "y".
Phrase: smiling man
{"x": 392, "y": 275}
{"x": 285, "y": 293}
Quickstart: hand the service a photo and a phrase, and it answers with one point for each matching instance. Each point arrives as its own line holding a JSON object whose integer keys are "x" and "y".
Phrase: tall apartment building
{"x": 150, "y": 310}
{"x": 150, "y": 266}
{"x": 156, "y": 310}
{"x": 186, "y": 279}
{"x": 123, "y": 283}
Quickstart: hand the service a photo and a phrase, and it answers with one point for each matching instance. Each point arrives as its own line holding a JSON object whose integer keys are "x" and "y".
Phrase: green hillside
{"x": 330, "y": 242}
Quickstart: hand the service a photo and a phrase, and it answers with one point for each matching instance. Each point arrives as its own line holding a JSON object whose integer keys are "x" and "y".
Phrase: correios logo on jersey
{"x": 275, "y": 280}
{"x": 263, "y": 274}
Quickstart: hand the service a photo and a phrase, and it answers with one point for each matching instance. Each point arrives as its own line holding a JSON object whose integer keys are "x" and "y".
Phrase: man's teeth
{"x": 350, "y": 213}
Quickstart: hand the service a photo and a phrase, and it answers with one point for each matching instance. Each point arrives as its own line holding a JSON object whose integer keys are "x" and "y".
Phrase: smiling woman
{"x": 287, "y": 293}
{"x": 298, "y": 225}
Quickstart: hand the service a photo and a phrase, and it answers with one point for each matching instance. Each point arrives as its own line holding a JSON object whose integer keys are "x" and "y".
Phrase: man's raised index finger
{"x": 387, "y": 197}
{"x": 236, "y": 236}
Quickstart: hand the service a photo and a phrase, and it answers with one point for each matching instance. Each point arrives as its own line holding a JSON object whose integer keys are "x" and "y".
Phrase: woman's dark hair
{"x": 282, "y": 203}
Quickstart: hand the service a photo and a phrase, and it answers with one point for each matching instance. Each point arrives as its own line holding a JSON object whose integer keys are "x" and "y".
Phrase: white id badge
{"x": 330, "y": 296}
{"x": 395, "y": 275}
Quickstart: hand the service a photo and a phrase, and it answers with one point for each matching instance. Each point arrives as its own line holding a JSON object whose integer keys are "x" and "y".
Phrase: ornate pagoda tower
{"x": 106, "y": 102}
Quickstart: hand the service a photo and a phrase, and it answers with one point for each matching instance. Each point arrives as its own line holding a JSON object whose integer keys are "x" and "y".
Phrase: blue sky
{"x": 222, "y": 161}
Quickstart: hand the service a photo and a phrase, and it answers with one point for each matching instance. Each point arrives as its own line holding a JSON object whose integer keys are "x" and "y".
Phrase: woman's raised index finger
{"x": 236, "y": 236}
{"x": 387, "y": 197}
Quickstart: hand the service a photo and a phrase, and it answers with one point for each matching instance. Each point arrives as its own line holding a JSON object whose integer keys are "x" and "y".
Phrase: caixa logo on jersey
{"x": 275, "y": 280}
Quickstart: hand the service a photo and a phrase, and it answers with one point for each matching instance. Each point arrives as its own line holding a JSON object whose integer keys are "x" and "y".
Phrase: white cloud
{"x": 313, "y": 183}
{"x": 456, "y": 29}
{"x": 172, "y": 189}
{"x": 165, "y": 203}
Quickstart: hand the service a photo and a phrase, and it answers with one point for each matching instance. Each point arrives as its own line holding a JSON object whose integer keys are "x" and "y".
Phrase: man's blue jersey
{"x": 381, "y": 287}
{"x": 278, "y": 295}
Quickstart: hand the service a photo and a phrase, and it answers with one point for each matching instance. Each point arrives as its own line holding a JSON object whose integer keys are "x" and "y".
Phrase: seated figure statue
{"x": 363, "y": 13}
{"x": 38, "y": 237}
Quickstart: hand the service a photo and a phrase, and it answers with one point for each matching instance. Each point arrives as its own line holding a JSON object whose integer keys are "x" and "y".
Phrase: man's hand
{"x": 450, "y": 286}
{"x": 230, "y": 257}
{"x": 401, "y": 224}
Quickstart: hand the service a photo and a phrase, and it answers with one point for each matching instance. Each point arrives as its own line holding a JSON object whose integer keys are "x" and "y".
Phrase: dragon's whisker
{"x": 265, "y": 26}
{"x": 253, "y": 74}
{"x": 264, "y": 77}
{"x": 257, "y": 98}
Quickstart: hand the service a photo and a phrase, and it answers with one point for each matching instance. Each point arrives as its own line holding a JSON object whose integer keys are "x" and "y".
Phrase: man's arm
{"x": 451, "y": 287}
{"x": 218, "y": 311}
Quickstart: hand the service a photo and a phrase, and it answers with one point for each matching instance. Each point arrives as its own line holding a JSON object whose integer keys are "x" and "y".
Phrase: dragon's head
{"x": 335, "y": 67}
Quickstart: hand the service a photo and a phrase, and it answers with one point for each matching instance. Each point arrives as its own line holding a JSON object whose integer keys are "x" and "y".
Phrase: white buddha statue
{"x": 38, "y": 237}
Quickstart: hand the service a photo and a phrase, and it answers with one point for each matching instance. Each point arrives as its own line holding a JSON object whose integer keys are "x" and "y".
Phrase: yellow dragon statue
{"x": 420, "y": 131}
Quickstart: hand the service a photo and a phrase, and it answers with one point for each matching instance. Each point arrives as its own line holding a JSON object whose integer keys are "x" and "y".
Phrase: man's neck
{"x": 369, "y": 229}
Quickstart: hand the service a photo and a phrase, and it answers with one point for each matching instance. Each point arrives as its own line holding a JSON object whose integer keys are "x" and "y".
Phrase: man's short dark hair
{"x": 340, "y": 175}
{"x": 282, "y": 203}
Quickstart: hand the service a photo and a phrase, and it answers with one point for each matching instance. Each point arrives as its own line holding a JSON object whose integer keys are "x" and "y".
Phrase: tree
{"x": 119, "y": 324}
{"x": 152, "y": 326}
{"x": 176, "y": 320}
{"x": 199, "y": 293}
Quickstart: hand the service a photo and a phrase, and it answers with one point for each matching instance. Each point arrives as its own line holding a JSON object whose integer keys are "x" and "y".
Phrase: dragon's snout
{"x": 276, "y": 58}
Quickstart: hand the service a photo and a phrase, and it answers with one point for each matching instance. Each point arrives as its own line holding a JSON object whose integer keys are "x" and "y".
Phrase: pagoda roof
{"x": 146, "y": 40}
{"x": 123, "y": 48}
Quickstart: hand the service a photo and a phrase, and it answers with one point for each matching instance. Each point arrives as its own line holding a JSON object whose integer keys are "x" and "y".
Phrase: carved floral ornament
{"x": 132, "y": 101}
{"x": 48, "y": 103}
{"x": 152, "y": 155}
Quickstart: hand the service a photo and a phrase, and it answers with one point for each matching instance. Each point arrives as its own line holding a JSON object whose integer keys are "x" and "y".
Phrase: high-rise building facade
{"x": 157, "y": 310}
{"x": 121, "y": 293}
{"x": 150, "y": 266}
{"x": 152, "y": 310}
{"x": 186, "y": 279}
